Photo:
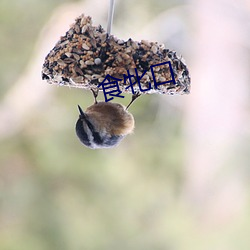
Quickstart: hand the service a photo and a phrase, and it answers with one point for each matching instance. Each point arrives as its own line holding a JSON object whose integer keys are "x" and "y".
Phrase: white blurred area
{"x": 218, "y": 110}
{"x": 216, "y": 123}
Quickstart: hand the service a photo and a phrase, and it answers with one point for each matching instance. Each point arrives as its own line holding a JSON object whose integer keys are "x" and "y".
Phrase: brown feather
{"x": 112, "y": 117}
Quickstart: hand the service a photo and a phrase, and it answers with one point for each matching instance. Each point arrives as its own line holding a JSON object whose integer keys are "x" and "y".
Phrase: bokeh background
{"x": 180, "y": 182}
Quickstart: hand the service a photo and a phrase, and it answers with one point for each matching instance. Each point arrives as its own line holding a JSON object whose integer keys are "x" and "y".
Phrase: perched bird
{"x": 104, "y": 124}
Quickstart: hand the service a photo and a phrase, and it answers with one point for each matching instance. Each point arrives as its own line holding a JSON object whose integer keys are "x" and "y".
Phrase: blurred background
{"x": 180, "y": 182}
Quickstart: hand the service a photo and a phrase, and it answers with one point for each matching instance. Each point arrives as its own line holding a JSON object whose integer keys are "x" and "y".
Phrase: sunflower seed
{"x": 85, "y": 46}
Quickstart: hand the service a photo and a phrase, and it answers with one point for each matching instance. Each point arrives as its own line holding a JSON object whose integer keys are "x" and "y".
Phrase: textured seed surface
{"x": 86, "y": 54}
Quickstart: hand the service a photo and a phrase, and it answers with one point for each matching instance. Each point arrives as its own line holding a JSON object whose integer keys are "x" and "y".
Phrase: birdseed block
{"x": 86, "y": 55}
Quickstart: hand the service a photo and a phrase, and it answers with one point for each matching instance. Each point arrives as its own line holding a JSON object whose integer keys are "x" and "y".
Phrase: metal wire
{"x": 110, "y": 15}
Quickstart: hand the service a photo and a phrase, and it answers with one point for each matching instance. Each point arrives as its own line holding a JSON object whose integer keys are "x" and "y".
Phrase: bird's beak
{"x": 82, "y": 115}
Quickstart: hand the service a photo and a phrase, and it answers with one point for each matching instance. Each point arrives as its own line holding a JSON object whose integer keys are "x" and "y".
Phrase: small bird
{"x": 104, "y": 124}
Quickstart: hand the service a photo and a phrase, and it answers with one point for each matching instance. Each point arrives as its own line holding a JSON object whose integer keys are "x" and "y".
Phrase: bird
{"x": 104, "y": 124}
